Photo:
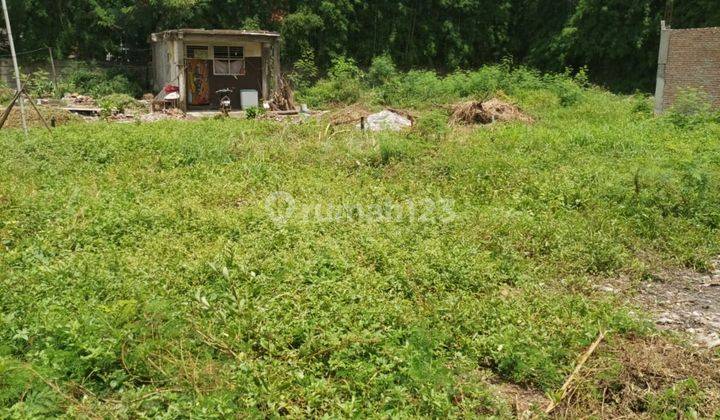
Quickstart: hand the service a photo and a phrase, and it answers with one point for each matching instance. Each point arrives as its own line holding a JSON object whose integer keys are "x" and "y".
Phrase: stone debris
{"x": 75, "y": 99}
{"x": 165, "y": 114}
{"x": 688, "y": 302}
{"x": 387, "y": 120}
{"x": 679, "y": 300}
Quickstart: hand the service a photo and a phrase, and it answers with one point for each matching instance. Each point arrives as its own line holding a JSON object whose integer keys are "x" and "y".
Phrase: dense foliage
{"x": 143, "y": 273}
{"x": 616, "y": 39}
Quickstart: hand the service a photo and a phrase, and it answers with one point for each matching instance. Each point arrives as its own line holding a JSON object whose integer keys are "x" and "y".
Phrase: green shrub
{"x": 6, "y": 93}
{"x": 98, "y": 82}
{"x": 381, "y": 71}
{"x": 642, "y": 104}
{"x": 342, "y": 86}
{"x": 691, "y": 107}
{"x": 305, "y": 71}
{"x": 39, "y": 84}
{"x": 433, "y": 125}
{"x": 425, "y": 88}
{"x": 565, "y": 87}
{"x": 116, "y": 103}
{"x": 254, "y": 112}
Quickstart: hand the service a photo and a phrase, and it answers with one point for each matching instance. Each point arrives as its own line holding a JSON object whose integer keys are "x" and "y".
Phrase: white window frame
{"x": 228, "y": 60}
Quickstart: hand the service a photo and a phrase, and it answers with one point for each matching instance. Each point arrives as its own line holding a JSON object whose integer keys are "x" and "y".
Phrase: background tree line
{"x": 616, "y": 39}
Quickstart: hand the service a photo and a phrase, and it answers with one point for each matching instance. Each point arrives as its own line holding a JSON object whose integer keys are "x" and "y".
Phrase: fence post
{"x": 52, "y": 66}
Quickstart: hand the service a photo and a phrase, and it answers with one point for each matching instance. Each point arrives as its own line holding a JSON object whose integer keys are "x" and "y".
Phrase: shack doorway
{"x": 198, "y": 82}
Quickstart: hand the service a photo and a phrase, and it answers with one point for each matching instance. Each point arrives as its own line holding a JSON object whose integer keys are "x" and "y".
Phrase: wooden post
{"x": 54, "y": 74}
{"x": 32, "y": 102}
{"x": 276, "y": 65}
{"x": 9, "y": 108}
{"x": 265, "y": 54}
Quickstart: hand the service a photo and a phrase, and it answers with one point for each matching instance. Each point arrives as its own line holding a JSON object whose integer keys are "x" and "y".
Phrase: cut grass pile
{"x": 142, "y": 273}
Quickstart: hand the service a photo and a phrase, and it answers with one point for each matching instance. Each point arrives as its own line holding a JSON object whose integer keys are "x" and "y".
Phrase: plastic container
{"x": 248, "y": 98}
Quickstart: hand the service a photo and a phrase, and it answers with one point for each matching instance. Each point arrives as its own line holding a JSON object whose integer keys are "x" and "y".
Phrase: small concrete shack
{"x": 201, "y": 61}
{"x": 689, "y": 59}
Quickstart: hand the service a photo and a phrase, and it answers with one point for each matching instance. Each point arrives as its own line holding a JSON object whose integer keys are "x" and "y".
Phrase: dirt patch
{"x": 525, "y": 402}
{"x": 488, "y": 112}
{"x": 686, "y": 301}
{"x": 645, "y": 377}
{"x": 165, "y": 114}
{"x": 679, "y": 300}
{"x": 348, "y": 115}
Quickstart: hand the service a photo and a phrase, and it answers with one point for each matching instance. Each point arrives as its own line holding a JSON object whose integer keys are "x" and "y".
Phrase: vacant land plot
{"x": 215, "y": 267}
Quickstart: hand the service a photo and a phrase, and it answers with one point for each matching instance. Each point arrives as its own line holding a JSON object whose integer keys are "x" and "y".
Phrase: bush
{"x": 99, "y": 82}
{"x": 6, "y": 93}
{"x": 254, "y": 112}
{"x": 382, "y": 70}
{"x": 423, "y": 88}
{"x": 643, "y": 104}
{"x": 342, "y": 86}
{"x": 691, "y": 107}
{"x": 568, "y": 90}
{"x": 414, "y": 88}
{"x": 117, "y": 103}
{"x": 305, "y": 71}
{"x": 433, "y": 125}
{"x": 39, "y": 84}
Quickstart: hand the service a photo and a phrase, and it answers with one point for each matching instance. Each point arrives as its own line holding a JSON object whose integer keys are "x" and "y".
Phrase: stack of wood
{"x": 283, "y": 98}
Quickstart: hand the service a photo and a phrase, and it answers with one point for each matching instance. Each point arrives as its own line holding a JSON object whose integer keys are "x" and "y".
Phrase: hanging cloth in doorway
{"x": 198, "y": 81}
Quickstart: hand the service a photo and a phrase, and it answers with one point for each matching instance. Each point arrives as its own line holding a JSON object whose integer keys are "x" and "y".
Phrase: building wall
{"x": 261, "y": 52}
{"x": 689, "y": 58}
{"x": 161, "y": 58}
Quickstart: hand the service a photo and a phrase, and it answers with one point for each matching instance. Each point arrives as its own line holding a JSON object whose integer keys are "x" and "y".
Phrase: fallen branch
{"x": 564, "y": 389}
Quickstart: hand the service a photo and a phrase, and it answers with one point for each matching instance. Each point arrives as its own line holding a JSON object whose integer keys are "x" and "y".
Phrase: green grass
{"x": 141, "y": 274}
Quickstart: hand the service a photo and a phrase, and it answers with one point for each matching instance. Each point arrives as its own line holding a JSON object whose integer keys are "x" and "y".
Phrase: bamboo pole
{"x": 15, "y": 64}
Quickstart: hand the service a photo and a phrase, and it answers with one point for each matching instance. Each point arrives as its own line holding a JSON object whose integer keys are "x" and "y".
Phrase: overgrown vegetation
{"x": 143, "y": 274}
{"x": 117, "y": 103}
{"x": 96, "y": 81}
{"x": 382, "y": 84}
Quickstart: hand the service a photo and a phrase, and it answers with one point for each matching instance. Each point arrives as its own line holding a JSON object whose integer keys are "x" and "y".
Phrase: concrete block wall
{"x": 689, "y": 58}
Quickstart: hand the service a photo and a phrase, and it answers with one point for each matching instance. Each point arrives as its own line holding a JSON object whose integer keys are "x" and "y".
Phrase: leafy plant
{"x": 691, "y": 107}
{"x": 117, "y": 103}
{"x": 98, "y": 82}
{"x": 305, "y": 71}
{"x": 342, "y": 86}
{"x": 381, "y": 71}
{"x": 253, "y": 112}
{"x": 39, "y": 84}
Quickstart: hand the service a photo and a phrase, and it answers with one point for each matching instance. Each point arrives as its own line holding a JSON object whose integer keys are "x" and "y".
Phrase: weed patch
{"x": 143, "y": 275}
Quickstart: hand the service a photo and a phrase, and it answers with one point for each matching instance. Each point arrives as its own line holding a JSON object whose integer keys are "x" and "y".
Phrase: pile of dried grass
{"x": 475, "y": 112}
{"x": 644, "y": 377}
{"x": 33, "y": 120}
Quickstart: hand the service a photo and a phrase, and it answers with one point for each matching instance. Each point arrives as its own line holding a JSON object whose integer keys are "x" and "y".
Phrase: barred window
{"x": 228, "y": 61}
